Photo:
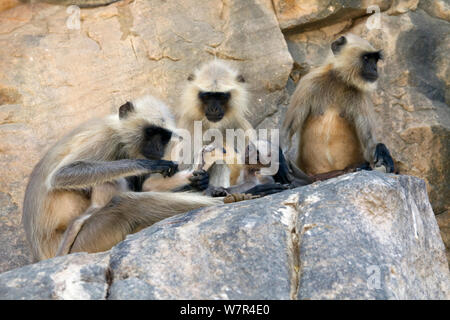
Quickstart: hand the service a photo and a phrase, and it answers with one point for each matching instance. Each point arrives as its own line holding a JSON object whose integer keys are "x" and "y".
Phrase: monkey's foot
{"x": 199, "y": 180}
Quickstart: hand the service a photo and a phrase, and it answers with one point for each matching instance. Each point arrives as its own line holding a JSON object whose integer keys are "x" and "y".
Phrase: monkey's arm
{"x": 81, "y": 174}
{"x": 298, "y": 111}
{"x": 185, "y": 180}
{"x": 374, "y": 153}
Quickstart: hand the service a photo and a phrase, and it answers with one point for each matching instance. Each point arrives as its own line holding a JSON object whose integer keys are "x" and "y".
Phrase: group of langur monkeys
{"x": 111, "y": 177}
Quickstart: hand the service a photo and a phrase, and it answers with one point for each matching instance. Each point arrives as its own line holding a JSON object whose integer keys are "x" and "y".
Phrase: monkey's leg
{"x": 72, "y": 231}
{"x": 81, "y": 174}
{"x": 132, "y": 211}
{"x": 185, "y": 180}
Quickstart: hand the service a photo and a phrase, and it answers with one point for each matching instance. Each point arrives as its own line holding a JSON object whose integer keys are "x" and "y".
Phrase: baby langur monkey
{"x": 154, "y": 148}
{"x": 246, "y": 176}
{"x": 88, "y": 168}
{"x": 331, "y": 111}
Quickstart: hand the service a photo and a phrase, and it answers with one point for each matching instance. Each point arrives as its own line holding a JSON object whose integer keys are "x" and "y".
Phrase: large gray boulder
{"x": 360, "y": 236}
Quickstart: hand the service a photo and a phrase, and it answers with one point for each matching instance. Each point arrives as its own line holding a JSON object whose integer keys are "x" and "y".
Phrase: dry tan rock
{"x": 8, "y": 4}
{"x": 402, "y": 6}
{"x": 55, "y": 76}
{"x": 436, "y": 8}
{"x": 313, "y": 14}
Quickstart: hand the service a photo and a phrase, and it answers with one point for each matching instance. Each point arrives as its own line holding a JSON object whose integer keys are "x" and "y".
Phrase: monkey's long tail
{"x": 132, "y": 211}
{"x": 161, "y": 205}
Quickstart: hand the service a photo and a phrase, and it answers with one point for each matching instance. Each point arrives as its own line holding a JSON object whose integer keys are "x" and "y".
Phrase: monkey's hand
{"x": 266, "y": 189}
{"x": 213, "y": 191}
{"x": 383, "y": 158}
{"x": 199, "y": 180}
{"x": 164, "y": 167}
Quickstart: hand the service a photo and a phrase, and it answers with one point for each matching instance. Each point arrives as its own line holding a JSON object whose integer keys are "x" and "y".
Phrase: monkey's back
{"x": 46, "y": 212}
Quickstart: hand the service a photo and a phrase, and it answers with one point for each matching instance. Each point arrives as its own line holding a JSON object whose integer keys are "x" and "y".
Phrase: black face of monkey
{"x": 155, "y": 142}
{"x": 215, "y": 104}
{"x": 369, "y": 70}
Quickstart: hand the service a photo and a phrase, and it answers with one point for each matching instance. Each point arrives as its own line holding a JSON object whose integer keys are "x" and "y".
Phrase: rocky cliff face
{"x": 58, "y": 71}
{"x": 360, "y": 236}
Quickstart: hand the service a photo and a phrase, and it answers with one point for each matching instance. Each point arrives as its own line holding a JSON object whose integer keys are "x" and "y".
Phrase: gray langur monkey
{"x": 331, "y": 111}
{"x": 88, "y": 167}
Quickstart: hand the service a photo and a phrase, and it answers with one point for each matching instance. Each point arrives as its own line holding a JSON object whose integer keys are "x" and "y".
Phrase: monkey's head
{"x": 146, "y": 128}
{"x": 214, "y": 94}
{"x": 355, "y": 61}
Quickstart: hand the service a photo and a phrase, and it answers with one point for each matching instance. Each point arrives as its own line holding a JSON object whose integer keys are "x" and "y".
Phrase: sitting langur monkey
{"x": 87, "y": 167}
{"x": 331, "y": 111}
{"x": 216, "y": 97}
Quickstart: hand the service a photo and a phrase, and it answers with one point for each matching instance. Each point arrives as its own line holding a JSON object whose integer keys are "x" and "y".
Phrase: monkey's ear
{"x": 240, "y": 78}
{"x": 191, "y": 77}
{"x": 125, "y": 110}
{"x": 337, "y": 45}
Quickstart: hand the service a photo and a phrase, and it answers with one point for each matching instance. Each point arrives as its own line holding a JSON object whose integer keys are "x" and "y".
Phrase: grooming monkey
{"x": 331, "y": 111}
{"x": 87, "y": 167}
{"x": 157, "y": 140}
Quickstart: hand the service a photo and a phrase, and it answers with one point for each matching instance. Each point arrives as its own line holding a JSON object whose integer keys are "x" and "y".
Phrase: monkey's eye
{"x": 365, "y": 58}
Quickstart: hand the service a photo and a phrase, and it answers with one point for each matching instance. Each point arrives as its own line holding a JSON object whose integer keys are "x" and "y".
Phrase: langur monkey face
{"x": 152, "y": 141}
{"x": 369, "y": 61}
{"x": 155, "y": 142}
{"x": 215, "y": 104}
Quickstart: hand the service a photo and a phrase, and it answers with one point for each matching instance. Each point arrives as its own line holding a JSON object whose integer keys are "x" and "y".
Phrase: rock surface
{"x": 303, "y": 15}
{"x": 55, "y": 76}
{"x": 360, "y": 236}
